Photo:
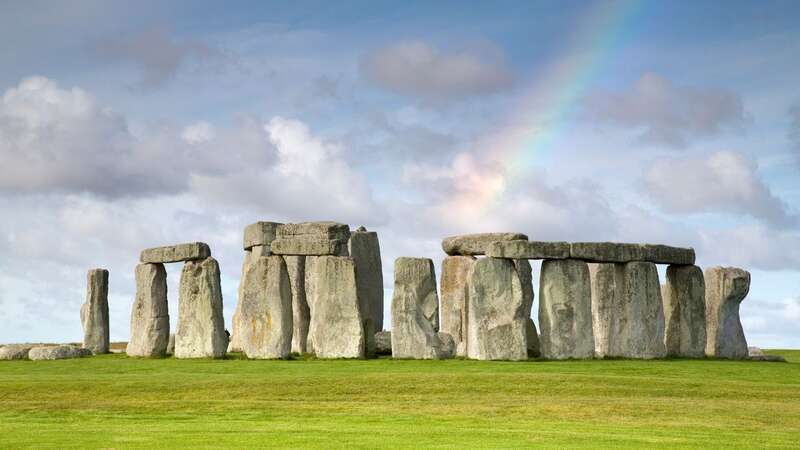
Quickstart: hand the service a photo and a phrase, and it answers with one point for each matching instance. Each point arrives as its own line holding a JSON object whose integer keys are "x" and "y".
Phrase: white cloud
{"x": 753, "y": 245}
{"x": 722, "y": 182}
{"x": 198, "y": 132}
{"x": 665, "y": 113}
{"x": 418, "y": 69}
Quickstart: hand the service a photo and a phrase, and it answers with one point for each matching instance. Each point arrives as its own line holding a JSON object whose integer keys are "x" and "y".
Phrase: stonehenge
{"x": 94, "y": 312}
{"x": 726, "y": 287}
{"x": 317, "y": 287}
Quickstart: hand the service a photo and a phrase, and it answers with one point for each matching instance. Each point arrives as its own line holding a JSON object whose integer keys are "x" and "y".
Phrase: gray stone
{"x": 310, "y": 246}
{"x": 525, "y": 274}
{"x": 768, "y": 358}
{"x": 201, "y": 327}
{"x": 622, "y": 252}
{"x": 310, "y": 275}
{"x": 565, "y": 310}
{"x": 628, "y": 315}
{"x": 255, "y": 252}
{"x": 476, "y": 244}
{"x": 447, "y": 345}
{"x": 15, "y": 351}
{"x": 336, "y": 329}
{"x": 524, "y": 249}
{"x": 171, "y": 344}
{"x": 301, "y": 315}
{"x": 415, "y": 310}
{"x": 260, "y": 233}
{"x": 685, "y": 312}
{"x": 383, "y": 343}
{"x": 324, "y": 230}
{"x": 726, "y": 287}
{"x": 754, "y": 351}
{"x": 175, "y": 253}
{"x": 57, "y": 352}
{"x": 94, "y": 312}
{"x": 454, "y": 291}
{"x": 497, "y": 325}
{"x": 365, "y": 249}
{"x": 150, "y": 314}
{"x": 266, "y": 309}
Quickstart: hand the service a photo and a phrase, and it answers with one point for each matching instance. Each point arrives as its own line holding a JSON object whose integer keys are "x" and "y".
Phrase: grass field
{"x": 112, "y": 401}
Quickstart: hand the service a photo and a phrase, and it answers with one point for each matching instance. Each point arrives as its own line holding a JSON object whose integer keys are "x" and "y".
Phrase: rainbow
{"x": 546, "y": 106}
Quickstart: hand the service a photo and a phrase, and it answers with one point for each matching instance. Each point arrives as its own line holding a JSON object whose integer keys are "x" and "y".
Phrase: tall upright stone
{"x": 310, "y": 276}
{"x": 266, "y": 309}
{"x": 685, "y": 312}
{"x": 251, "y": 253}
{"x": 454, "y": 291}
{"x": 94, "y": 313}
{"x": 301, "y": 315}
{"x": 150, "y": 313}
{"x": 415, "y": 308}
{"x": 525, "y": 273}
{"x": 628, "y": 315}
{"x": 565, "y": 310}
{"x": 201, "y": 327}
{"x": 496, "y": 312}
{"x": 364, "y": 248}
{"x": 726, "y": 287}
{"x": 336, "y": 329}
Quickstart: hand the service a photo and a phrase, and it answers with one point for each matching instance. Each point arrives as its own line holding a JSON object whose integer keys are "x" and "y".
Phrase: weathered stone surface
{"x": 310, "y": 275}
{"x": 175, "y": 253}
{"x": 497, "y": 325}
{"x": 14, "y": 351}
{"x": 383, "y": 343}
{"x": 605, "y": 303}
{"x": 301, "y": 315}
{"x": 622, "y": 252}
{"x": 57, "y": 352}
{"x": 726, "y": 287}
{"x": 171, "y": 344}
{"x": 266, "y": 309}
{"x": 447, "y": 345}
{"x": 310, "y": 246}
{"x": 149, "y": 315}
{"x": 768, "y": 358}
{"x": 260, "y": 233}
{"x": 325, "y": 230}
{"x": 476, "y": 244}
{"x": 255, "y": 252}
{"x": 336, "y": 329}
{"x": 454, "y": 290}
{"x": 565, "y": 311}
{"x": 415, "y": 310}
{"x": 524, "y": 249}
{"x": 684, "y": 297}
{"x": 754, "y": 351}
{"x": 365, "y": 249}
{"x": 628, "y": 315}
{"x": 94, "y": 312}
{"x": 201, "y": 327}
{"x": 525, "y": 274}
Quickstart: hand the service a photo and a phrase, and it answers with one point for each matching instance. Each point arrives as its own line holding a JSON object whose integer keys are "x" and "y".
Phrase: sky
{"x": 127, "y": 125}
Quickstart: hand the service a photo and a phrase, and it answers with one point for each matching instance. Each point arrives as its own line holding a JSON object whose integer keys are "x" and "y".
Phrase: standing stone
{"x": 310, "y": 265}
{"x": 150, "y": 314}
{"x": 525, "y": 274}
{"x": 640, "y": 330}
{"x": 171, "y": 344}
{"x": 94, "y": 313}
{"x": 365, "y": 249}
{"x": 383, "y": 343}
{"x": 336, "y": 329}
{"x": 201, "y": 327}
{"x": 685, "y": 312}
{"x": 565, "y": 311}
{"x": 415, "y": 311}
{"x": 455, "y": 274}
{"x": 605, "y": 304}
{"x": 726, "y": 287}
{"x": 301, "y": 316}
{"x": 251, "y": 254}
{"x": 266, "y": 309}
{"x": 497, "y": 326}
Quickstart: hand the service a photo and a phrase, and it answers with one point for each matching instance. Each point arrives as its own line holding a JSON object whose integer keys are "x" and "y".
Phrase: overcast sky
{"x": 132, "y": 125}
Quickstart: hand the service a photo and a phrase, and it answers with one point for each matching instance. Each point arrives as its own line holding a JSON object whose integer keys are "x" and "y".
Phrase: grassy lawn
{"x": 112, "y": 401}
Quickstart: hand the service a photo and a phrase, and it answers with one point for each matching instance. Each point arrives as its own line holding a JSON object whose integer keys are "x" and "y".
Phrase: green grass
{"x": 112, "y": 401}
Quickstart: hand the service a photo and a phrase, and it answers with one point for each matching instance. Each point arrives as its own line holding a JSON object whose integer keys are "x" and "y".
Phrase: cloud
{"x": 62, "y": 140}
{"x": 721, "y": 182}
{"x": 665, "y": 113}
{"x": 417, "y": 69}
{"x": 751, "y": 246}
{"x": 794, "y": 127}
{"x": 155, "y": 53}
